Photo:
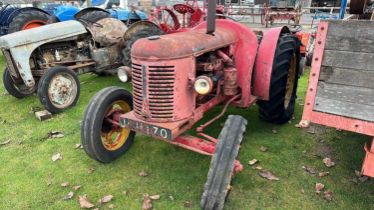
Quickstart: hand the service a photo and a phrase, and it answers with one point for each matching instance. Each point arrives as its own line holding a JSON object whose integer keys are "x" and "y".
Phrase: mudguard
{"x": 135, "y": 27}
{"x": 265, "y": 60}
{"x": 64, "y": 13}
{"x": 21, "y": 44}
{"x": 125, "y": 14}
{"x": 87, "y": 10}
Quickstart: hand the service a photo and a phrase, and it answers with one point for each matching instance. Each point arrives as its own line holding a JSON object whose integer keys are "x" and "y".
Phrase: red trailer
{"x": 341, "y": 84}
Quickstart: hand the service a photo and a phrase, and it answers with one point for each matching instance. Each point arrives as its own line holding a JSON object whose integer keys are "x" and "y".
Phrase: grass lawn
{"x": 29, "y": 179}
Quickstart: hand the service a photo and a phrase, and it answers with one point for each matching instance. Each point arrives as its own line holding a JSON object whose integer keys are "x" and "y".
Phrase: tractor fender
{"x": 137, "y": 26}
{"x": 264, "y": 62}
{"x": 87, "y": 10}
{"x": 64, "y": 13}
{"x": 125, "y": 14}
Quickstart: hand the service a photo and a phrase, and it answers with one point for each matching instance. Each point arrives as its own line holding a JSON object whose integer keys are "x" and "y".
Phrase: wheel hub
{"x": 62, "y": 90}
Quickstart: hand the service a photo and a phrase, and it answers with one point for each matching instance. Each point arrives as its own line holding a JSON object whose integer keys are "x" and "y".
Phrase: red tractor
{"x": 177, "y": 77}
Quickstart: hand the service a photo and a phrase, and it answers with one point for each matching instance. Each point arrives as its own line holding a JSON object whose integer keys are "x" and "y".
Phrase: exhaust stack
{"x": 211, "y": 21}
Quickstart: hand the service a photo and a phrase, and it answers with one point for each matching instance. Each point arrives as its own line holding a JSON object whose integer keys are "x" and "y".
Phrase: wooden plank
{"x": 346, "y": 109}
{"x": 353, "y": 35}
{"x": 355, "y": 95}
{"x": 349, "y": 60}
{"x": 351, "y": 77}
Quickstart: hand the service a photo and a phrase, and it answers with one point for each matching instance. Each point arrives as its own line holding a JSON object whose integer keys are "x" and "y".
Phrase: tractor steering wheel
{"x": 183, "y": 9}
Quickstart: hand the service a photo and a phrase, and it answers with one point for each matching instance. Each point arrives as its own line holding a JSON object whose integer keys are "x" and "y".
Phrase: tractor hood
{"x": 43, "y": 34}
{"x": 178, "y": 45}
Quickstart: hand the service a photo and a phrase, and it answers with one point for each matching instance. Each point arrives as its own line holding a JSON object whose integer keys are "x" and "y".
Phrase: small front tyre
{"x": 102, "y": 137}
{"x": 222, "y": 165}
{"x": 59, "y": 89}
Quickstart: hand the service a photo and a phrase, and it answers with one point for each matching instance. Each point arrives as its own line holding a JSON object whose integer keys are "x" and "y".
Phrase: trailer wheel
{"x": 283, "y": 84}
{"x": 93, "y": 16}
{"x": 143, "y": 33}
{"x": 222, "y": 165}
{"x": 102, "y": 138}
{"x": 58, "y": 89}
{"x": 27, "y": 20}
{"x": 16, "y": 90}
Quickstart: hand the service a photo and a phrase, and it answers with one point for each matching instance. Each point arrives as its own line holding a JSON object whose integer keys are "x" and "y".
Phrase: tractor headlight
{"x": 203, "y": 85}
{"x": 124, "y": 74}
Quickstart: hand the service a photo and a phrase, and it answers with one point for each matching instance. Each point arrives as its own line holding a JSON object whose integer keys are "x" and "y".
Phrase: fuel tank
{"x": 180, "y": 45}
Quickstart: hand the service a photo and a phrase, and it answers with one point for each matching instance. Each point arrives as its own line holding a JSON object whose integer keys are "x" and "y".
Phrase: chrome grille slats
{"x": 159, "y": 96}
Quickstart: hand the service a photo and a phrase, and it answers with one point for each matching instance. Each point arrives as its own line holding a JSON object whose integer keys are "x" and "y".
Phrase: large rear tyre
{"x": 222, "y": 165}
{"x": 283, "y": 84}
{"x": 143, "y": 33}
{"x": 16, "y": 90}
{"x": 102, "y": 137}
{"x": 59, "y": 89}
{"x": 27, "y": 20}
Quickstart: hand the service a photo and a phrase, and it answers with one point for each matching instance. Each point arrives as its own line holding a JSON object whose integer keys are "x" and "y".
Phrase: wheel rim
{"x": 33, "y": 24}
{"x": 113, "y": 136}
{"x": 62, "y": 90}
{"x": 290, "y": 81}
{"x": 167, "y": 21}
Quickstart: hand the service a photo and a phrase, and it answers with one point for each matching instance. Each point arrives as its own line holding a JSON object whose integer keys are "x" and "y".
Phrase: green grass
{"x": 26, "y": 167}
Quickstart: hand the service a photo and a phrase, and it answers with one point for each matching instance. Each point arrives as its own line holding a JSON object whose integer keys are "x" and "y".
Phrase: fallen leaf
{"x": 143, "y": 174}
{"x": 69, "y": 196}
{"x": 310, "y": 170}
{"x": 363, "y": 178}
{"x": 252, "y": 162}
{"x": 171, "y": 197}
{"x": 56, "y": 157}
{"x": 323, "y": 174}
{"x": 358, "y": 173}
{"x": 84, "y": 202}
{"x": 188, "y": 204}
{"x": 328, "y": 162}
{"x": 302, "y": 191}
{"x": 78, "y": 146}
{"x": 5, "y": 142}
{"x": 319, "y": 187}
{"x": 263, "y": 149}
{"x": 147, "y": 202}
{"x": 90, "y": 170}
{"x": 65, "y": 184}
{"x": 55, "y": 134}
{"x": 111, "y": 206}
{"x": 327, "y": 195}
{"x": 125, "y": 193}
{"x": 268, "y": 175}
{"x": 274, "y": 131}
{"x": 257, "y": 168}
{"x": 77, "y": 187}
{"x": 106, "y": 199}
{"x": 297, "y": 126}
{"x": 154, "y": 197}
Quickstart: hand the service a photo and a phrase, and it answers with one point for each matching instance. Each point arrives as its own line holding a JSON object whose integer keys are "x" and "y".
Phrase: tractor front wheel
{"x": 102, "y": 137}
{"x": 27, "y": 20}
{"x": 58, "y": 89}
{"x": 16, "y": 90}
{"x": 283, "y": 84}
{"x": 222, "y": 165}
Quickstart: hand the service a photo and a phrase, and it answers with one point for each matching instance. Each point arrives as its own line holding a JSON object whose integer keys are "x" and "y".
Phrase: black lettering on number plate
{"x": 147, "y": 129}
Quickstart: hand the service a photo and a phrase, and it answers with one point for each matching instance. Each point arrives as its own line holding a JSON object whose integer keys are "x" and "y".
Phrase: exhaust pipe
{"x": 211, "y": 19}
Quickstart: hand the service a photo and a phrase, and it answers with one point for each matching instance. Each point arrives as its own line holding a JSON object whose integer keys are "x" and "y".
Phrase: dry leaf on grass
{"x": 143, "y": 174}
{"x": 147, "y": 202}
{"x": 84, "y": 202}
{"x": 77, "y": 187}
{"x": 78, "y": 146}
{"x": 363, "y": 178}
{"x": 252, "y": 162}
{"x": 90, "y": 170}
{"x": 327, "y": 195}
{"x": 171, "y": 197}
{"x": 111, "y": 206}
{"x": 56, "y": 157}
{"x": 257, "y": 168}
{"x": 319, "y": 187}
{"x": 55, "y": 134}
{"x": 328, "y": 162}
{"x": 274, "y": 131}
{"x": 263, "y": 149}
{"x": 323, "y": 174}
{"x": 106, "y": 199}
{"x": 268, "y": 175}
{"x": 69, "y": 196}
{"x": 65, "y": 184}
{"x": 5, "y": 142}
{"x": 310, "y": 170}
{"x": 155, "y": 197}
{"x": 188, "y": 204}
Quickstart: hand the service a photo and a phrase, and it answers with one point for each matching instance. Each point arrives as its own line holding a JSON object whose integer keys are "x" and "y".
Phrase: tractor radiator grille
{"x": 153, "y": 91}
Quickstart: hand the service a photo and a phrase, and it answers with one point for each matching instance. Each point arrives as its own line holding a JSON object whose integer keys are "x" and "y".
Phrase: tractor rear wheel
{"x": 59, "y": 89}
{"x": 27, "y": 20}
{"x": 143, "y": 33}
{"x": 283, "y": 84}
{"x": 16, "y": 90}
{"x": 53, "y": 19}
{"x": 93, "y": 16}
{"x": 222, "y": 165}
{"x": 102, "y": 137}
